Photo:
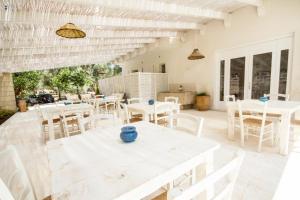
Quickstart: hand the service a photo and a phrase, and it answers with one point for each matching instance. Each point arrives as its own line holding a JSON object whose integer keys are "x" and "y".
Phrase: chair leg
{"x": 272, "y": 136}
{"x": 261, "y": 135}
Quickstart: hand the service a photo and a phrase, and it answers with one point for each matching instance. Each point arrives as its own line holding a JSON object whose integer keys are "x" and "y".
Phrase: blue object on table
{"x": 67, "y": 103}
{"x": 263, "y": 99}
{"x": 128, "y": 134}
{"x": 151, "y": 102}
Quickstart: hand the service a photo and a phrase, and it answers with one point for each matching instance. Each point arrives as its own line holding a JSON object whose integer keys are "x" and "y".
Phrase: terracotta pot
{"x": 22, "y": 105}
{"x": 203, "y": 102}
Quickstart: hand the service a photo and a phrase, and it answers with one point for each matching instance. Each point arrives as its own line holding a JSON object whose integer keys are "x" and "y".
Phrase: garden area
{"x": 59, "y": 82}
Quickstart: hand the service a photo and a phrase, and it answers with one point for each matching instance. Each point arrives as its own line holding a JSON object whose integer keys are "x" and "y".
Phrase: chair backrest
{"x": 258, "y": 111}
{"x": 188, "y": 123}
{"x": 14, "y": 176}
{"x": 119, "y": 96}
{"x": 123, "y": 113}
{"x": 4, "y": 192}
{"x": 229, "y": 173}
{"x": 228, "y": 98}
{"x": 282, "y": 97}
{"x": 171, "y": 99}
{"x": 133, "y": 100}
{"x": 163, "y": 110}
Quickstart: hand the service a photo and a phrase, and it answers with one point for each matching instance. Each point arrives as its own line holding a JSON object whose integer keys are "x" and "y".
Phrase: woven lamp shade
{"x": 196, "y": 55}
{"x": 69, "y": 30}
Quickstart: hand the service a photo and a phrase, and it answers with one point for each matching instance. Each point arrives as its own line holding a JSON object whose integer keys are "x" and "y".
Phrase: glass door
{"x": 261, "y": 75}
{"x": 237, "y": 77}
{"x": 252, "y": 71}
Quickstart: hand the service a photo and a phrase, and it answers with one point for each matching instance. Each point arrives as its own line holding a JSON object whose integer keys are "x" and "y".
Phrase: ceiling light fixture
{"x": 71, "y": 31}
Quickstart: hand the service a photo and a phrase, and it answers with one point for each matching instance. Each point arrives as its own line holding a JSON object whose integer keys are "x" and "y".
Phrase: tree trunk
{"x": 78, "y": 93}
{"x": 59, "y": 95}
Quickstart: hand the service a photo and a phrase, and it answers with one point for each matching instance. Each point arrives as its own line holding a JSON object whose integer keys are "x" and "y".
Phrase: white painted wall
{"x": 282, "y": 17}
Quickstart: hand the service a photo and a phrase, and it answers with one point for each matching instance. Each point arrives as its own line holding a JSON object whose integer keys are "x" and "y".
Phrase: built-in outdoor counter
{"x": 185, "y": 98}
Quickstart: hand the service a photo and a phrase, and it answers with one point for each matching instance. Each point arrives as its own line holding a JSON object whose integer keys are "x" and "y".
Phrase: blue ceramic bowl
{"x": 263, "y": 99}
{"x": 151, "y": 102}
{"x": 128, "y": 134}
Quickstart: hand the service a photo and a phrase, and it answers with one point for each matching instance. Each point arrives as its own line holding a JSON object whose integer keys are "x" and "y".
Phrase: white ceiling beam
{"x": 59, "y": 42}
{"x": 57, "y": 20}
{"x": 150, "y": 6}
{"x": 19, "y": 67}
{"x": 256, "y": 3}
{"x": 53, "y": 50}
{"x": 41, "y": 32}
{"x": 25, "y": 58}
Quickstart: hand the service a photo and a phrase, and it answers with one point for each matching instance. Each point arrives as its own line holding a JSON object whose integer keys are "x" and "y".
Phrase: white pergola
{"x": 116, "y": 29}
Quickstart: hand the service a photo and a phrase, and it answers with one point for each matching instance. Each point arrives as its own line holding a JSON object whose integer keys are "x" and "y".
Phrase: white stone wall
{"x": 7, "y": 93}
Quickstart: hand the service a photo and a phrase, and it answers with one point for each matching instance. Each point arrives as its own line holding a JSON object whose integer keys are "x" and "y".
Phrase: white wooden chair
{"x": 163, "y": 112}
{"x": 228, "y": 98}
{"x": 124, "y": 115}
{"x": 172, "y": 99}
{"x": 227, "y": 173}
{"x": 188, "y": 123}
{"x": 14, "y": 176}
{"x": 4, "y": 192}
{"x": 131, "y": 101}
{"x": 70, "y": 120}
{"x": 86, "y": 120}
{"x": 134, "y": 100}
{"x": 255, "y": 124}
{"x": 284, "y": 97}
{"x": 46, "y": 126}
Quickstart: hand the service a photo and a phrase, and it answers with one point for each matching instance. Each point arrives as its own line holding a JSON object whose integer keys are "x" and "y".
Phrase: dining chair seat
{"x": 55, "y": 120}
{"x": 135, "y": 119}
{"x": 256, "y": 122}
{"x": 295, "y": 122}
{"x": 274, "y": 115}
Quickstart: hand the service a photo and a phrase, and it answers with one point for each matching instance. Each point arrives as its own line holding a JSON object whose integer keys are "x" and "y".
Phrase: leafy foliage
{"x": 68, "y": 79}
{"x": 26, "y": 83}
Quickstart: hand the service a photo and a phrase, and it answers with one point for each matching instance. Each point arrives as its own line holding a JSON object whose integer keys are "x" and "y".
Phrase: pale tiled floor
{"x": 259, "y": 176}
{"x": 260, "y": 173}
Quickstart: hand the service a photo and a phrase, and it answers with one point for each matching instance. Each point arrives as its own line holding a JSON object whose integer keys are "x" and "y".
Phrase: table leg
{"x": 284, "y": 132}
{"x": 146, "y": 117}
{"x": 230, "y": 124}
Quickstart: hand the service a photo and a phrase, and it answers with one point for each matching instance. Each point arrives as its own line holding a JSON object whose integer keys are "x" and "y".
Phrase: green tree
{"x": 61, "y": 81}
{"x": 26, "y": 83}
{"x": 79, "y": 78}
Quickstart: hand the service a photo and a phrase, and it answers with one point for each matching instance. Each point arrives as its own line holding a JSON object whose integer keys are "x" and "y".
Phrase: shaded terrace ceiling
{"x": 116, "y": 29}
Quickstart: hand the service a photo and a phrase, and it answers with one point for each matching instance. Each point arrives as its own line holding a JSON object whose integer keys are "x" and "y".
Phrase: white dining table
{"x": 285, "y": 108}
{"x": 51, "y": 112}
{"x": 147, "y": 110}
{"x": 97, "y": 165}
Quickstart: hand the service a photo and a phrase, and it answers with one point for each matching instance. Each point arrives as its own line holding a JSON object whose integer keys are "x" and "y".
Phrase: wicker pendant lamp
{"x": 195, "y": 55}
{"x": 69, "y": 30}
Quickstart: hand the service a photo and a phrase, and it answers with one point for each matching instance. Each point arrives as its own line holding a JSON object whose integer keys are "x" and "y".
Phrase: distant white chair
{"x": 172, "y": 99}
{"x": 46, "y": 125}
{"x": 163, "y": 112}
{"x": 255, "y": 124}
{"x": 14, "y": 176}
{"x": 70, "y": 120}
{"x": 227, "y": 173}
{"x": 124, "y": 115}
{"x": 283, "y": 97}
{"x": 134, "y": 100}
{"x": 188, "y": 123}
{"x": 4, "y": 192}
{"x": 229, "y": 98}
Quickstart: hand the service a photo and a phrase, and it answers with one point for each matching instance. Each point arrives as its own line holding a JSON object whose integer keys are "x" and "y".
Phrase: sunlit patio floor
{"x": 259, "y": 177}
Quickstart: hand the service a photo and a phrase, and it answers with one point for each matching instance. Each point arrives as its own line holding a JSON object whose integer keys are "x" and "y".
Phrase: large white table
{"x": 147, "y": 110}
{"x": 285, "y": 108}
{"x": 99, "y": 166}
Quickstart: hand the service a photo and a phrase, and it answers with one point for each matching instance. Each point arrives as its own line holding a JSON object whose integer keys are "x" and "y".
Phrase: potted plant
{"x": 22, "y": 102}
{"x": 202, "y": 101}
